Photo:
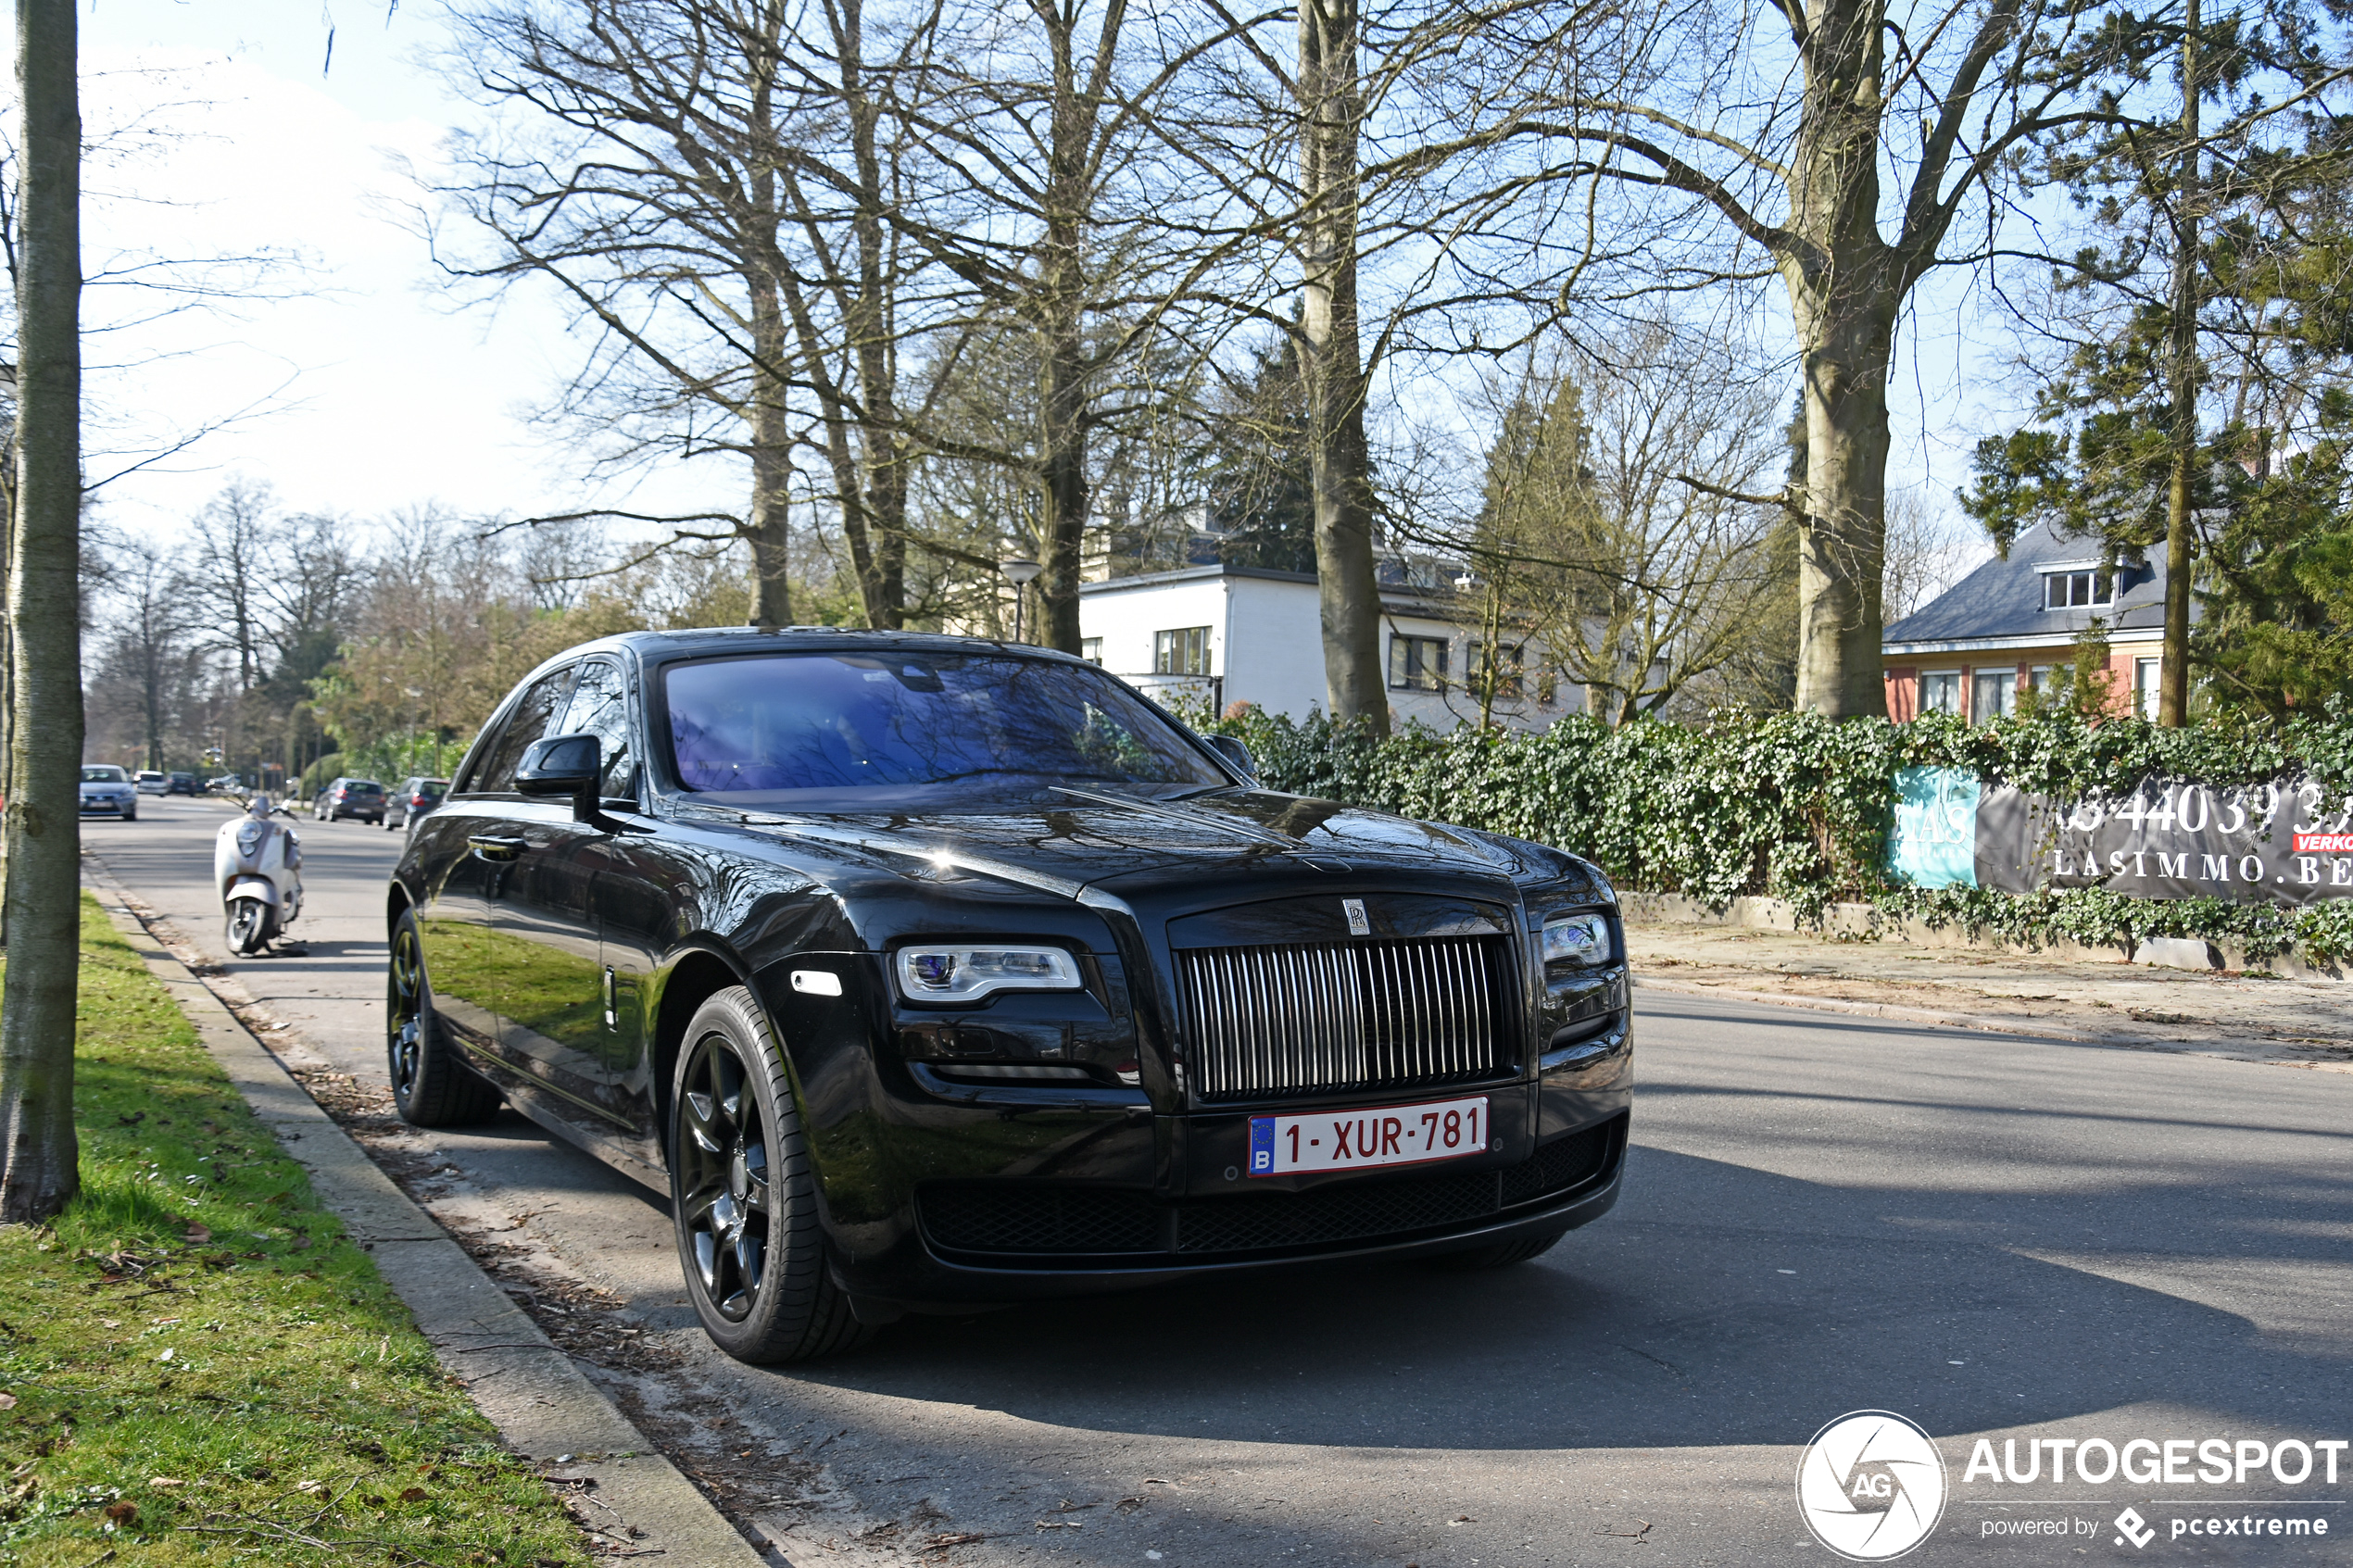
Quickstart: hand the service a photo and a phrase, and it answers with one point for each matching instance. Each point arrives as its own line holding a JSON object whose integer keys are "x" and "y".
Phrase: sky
{"x": 368, "y": 384}
{"x": 364, "y": 382}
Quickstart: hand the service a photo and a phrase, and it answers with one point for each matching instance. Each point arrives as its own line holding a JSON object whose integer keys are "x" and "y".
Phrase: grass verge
{"x": 197, "y": 1367}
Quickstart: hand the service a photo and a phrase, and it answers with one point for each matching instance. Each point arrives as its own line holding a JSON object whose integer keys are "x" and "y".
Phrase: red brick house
{"x": 2008, "y": 626}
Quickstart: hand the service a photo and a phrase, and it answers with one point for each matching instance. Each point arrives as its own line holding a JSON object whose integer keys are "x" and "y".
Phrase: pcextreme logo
{"x": 1871, "y": 1485}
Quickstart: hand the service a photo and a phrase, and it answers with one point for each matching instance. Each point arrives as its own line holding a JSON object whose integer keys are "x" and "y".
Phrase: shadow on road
{"x": 1669, "y": 1323}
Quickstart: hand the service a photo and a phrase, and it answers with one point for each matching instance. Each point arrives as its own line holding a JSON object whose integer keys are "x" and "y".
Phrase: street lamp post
{"x": 1021, "y": 572}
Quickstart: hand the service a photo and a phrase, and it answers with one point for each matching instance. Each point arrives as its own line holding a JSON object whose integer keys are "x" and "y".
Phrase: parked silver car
{"x": 106, "y": 791}
{"x": 414, "y": 799}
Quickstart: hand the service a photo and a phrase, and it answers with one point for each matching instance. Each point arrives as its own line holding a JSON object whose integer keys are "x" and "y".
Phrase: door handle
{"x": 492, "y": 848}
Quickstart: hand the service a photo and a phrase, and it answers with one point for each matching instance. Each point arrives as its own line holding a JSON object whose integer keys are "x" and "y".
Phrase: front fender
{"x": 249, "y": 885}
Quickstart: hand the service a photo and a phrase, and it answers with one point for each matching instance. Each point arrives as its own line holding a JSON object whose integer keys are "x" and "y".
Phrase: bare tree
{"x": 148, "y": 660}
{"x": 38, "y": 1158}
{"x": 1792, "y": 169}
{"x": 705, "y": 186}
{"x": 1592, "y": 544}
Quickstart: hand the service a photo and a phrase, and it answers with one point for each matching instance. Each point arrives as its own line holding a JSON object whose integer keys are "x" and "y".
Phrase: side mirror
{"x": 1235, "y": 755}
{"x": 563, "y": 765}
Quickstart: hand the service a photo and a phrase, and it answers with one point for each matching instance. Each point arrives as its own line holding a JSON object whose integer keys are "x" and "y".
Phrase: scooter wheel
{"x": 249, "y": 927}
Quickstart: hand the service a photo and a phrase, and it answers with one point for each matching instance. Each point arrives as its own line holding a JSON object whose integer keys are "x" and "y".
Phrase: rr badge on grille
{"x": 1358, "y": 924}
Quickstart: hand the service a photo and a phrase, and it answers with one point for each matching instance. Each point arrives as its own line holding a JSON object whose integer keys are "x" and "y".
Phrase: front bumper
{"x": 106, "y": 806}
{"x": 939, "y": 1278}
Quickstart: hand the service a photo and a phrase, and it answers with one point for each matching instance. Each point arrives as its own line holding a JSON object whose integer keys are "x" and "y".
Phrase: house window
{"x": 1184, "y": 651}
{"x": 1992, "y": 693}
{"x": 1417, "y": 663}
{"x": 2040, "y": 678}
{"x": 2074, "y": 590}
{"x": 1091, "y": 649}
{"x": 1941, "y": 691}
{"x": 1509, "y": 667}
{"x": 2145, "y": 678}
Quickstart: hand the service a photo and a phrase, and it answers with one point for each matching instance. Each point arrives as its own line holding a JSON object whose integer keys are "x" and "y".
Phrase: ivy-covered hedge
{"x": 1798, "y": 807}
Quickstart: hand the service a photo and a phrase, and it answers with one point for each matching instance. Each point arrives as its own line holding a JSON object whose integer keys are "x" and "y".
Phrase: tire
{"x": 744, "y": 1195}
{"x": 431, "y": 1086}
{"x": 1502, "y": 1255}
{"x": 131, "y": 816}
{"x": 249, "y": 926}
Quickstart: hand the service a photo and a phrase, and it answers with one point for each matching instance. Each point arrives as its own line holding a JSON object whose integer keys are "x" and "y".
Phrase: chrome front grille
{"x": 1292, "y": 1020}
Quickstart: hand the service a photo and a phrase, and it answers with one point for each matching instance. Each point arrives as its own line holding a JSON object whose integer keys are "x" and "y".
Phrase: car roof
{"x": 661, "y": 648}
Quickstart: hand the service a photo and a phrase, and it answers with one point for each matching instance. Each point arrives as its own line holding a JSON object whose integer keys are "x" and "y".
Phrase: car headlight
{"x": 960, "y": 973}
{"x": 1581, "y": 939}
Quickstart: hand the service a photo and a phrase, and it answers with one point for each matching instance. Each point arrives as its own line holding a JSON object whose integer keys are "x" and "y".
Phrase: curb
{"x": 1981, "y": 1022}
{"x": 1989, "y": 1023}
{"x": 542, "y": 1404}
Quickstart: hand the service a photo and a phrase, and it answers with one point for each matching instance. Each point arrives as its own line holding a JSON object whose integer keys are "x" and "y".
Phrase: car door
{"x": 467, "y": 852}
{"x": 603, "y": 706}
{"x": 556, "y": 1008}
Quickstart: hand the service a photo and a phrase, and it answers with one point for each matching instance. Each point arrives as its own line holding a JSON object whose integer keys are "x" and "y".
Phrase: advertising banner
{"x": 2279, "y": 841}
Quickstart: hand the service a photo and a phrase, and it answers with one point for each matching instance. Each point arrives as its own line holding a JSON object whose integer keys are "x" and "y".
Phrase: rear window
{"x": 365, "y": 786}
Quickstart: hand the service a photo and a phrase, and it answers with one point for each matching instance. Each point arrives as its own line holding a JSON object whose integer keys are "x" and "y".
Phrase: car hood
{"x": 1072, "y": 838}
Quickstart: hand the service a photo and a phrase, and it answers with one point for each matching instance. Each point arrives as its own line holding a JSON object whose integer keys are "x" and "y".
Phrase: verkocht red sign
{"x": 2324, "y": 843}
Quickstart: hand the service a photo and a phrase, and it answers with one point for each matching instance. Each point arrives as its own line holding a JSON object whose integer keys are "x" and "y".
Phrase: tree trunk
{"x": 1063, "y": 438}
{"x": 1339, "y": 459}
{"x": 882, "y": 443}
{"x": 1844, "y": 291}
{"x": 42, "y": 820}
{"x": 1061, "y": 298}
{"x": 2182, "y": 378}
{"x": 767, "y": 525}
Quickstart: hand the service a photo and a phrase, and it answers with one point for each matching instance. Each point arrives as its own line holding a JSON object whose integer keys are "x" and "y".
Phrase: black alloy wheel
{"x": 431, "y": 1088}
{"x": 744, "y": 1195}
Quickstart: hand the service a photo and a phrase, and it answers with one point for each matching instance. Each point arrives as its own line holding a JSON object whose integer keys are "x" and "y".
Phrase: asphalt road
{"x": 1995, "y": 1236}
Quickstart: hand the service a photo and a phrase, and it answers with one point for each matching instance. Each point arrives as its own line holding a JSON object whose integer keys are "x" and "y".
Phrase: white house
{"x": 1223, "y": 635}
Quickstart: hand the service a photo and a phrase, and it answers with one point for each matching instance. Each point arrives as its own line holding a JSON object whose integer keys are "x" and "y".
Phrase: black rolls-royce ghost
{"x": 923, "y": 971}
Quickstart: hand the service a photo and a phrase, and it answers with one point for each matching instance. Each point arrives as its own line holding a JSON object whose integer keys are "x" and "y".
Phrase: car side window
{"x": 527, "y": 722}
{"x": 600, "y": 708}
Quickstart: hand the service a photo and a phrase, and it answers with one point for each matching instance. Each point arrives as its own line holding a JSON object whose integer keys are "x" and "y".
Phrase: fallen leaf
{"x": 311, "y": 1487}
{"x": 372, "y": 1500}
{"x": 7, "y": 1401}
{"x": 198, "y": 1234}
{"x": 165, "y": 1357}
{"x": 1460, "y": 1519}
{"x": 414, "y": 1493}
{"x": 163, "y": 1483}
{"x": 122, "y": 1513}
{"x": 301, "y": 1244}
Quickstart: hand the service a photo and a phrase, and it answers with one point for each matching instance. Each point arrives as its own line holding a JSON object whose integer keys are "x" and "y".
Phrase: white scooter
{"x": 256, "y": 863}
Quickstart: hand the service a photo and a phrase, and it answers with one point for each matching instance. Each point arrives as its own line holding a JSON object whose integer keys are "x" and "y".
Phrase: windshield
{"x": 857, "y": 730}
{"x": 104, "y": 776}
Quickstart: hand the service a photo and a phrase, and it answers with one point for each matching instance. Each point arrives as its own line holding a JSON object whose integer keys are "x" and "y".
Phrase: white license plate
{"x": 1360, "y": 1140}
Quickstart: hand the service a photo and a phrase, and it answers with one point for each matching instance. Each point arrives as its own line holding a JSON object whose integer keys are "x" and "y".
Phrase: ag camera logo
{"x": 1871, "y": 1485}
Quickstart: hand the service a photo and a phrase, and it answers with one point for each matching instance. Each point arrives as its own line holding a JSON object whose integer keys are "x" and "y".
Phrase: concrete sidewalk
{"x": 629, "y": 1496}
{"x": 2245, "y": 1016}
